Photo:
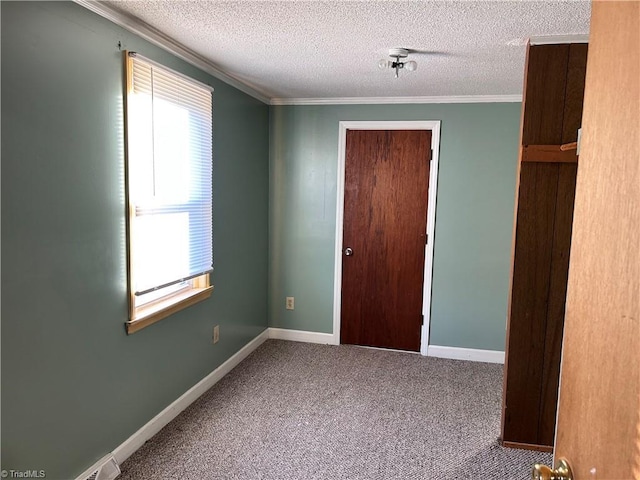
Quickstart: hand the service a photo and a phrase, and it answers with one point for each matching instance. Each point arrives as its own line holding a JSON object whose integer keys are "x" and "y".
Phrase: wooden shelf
{"x": 549, "y": 154}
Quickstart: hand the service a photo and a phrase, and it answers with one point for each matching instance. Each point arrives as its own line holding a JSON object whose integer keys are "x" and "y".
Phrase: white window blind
{"x": 169, "y": 127}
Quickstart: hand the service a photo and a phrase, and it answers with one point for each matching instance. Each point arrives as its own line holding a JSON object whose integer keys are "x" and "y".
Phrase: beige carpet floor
{"x": 301, "y": 411}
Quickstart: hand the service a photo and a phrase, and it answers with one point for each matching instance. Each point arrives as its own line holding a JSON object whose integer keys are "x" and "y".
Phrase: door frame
{"x": 434, "y": 127}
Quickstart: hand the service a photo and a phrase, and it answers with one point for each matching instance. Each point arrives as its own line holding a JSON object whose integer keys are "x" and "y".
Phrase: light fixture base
{"x": 398, "y": 52}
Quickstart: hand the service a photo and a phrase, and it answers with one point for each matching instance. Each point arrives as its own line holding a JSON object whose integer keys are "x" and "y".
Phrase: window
{"x": 169, "y": 190}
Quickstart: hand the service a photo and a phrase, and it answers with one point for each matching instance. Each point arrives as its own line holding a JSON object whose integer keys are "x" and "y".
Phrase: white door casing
{"x": 434, "y": 127}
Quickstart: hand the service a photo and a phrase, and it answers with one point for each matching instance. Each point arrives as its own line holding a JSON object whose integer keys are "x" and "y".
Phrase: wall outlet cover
{"x": 290, "y": 303}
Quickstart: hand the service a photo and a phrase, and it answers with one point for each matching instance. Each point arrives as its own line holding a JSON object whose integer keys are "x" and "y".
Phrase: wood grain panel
{"x": 599, "y": 408}
{"x": 544, "y": 95}
{"x": 556, "y": 304}
{"x": 529, "y": 304}
{"x": 574, "y": 93}
{"x": 551, "y": 117}
{"x": 386, "y": 194}
{"x": 503, "y": 430}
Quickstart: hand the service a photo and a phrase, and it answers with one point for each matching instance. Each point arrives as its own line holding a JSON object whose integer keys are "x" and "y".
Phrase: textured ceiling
{"x": 328, "y": 49}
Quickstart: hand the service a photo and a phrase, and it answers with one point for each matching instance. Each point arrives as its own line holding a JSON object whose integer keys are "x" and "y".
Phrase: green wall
{"x": 74, "y": 385}
{"x": 478, "y": 156}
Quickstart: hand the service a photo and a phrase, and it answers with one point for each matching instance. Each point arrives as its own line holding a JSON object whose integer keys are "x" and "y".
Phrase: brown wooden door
{"x": 385, "y": 216}
{"x": 599, "y": 408}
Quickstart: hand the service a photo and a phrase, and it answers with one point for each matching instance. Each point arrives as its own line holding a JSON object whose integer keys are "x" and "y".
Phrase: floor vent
{"x": 108, "y": 469}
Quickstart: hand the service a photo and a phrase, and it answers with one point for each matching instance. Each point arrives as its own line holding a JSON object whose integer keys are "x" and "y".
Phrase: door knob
{"x": 348, "y": 251}
{"x": 561, "y": 472}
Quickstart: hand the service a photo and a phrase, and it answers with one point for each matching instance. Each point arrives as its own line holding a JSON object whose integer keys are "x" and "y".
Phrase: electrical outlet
{"x": 290, "y": 303}
{"x": 216, "y": 333}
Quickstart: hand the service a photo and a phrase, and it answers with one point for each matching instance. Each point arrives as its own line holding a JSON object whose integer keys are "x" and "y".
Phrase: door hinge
{"x": 427, "y": 239}
{"x": 579, "y": 141}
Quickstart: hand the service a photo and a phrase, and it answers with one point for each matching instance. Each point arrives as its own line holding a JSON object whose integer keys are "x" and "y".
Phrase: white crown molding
{"x": 555, "y": 39}
{"x": 165, "y": 42}
{"x": 398, "y": 100}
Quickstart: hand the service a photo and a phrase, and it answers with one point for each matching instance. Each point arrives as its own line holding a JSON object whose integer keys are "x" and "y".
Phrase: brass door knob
{"x": 561, "y": 472}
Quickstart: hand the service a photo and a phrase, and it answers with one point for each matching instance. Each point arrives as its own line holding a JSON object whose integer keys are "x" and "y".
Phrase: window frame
{"x": 194, "y": 290}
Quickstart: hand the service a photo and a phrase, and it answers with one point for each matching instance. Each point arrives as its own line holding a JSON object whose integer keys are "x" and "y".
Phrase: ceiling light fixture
{"x": 398, "y": 53}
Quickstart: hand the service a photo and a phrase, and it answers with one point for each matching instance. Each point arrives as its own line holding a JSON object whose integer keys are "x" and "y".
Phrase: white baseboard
{"x": 96, "y": 466}
{"x": 471, "y": 354}
{"x": 135, "y": 441}
{"x": 302, "y": 336}
{"x": 455, "y": 353}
